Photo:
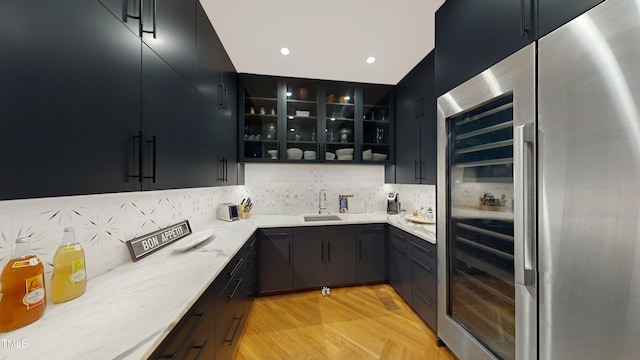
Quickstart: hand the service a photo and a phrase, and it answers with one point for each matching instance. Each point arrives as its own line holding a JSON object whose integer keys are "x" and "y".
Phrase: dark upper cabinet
{"x": 307, "y": 121}
{"x": 169, "y": 126}
{"x": 473, "y": 35}
{"x": 128, "y": 11}
{"x": 69, "y": 99}
{"x": 216, "y": 81}
{"x": 416, "y": 125}
{"x": 378, "y": 124}
{"x": 169, "y": 28}
{"x": 552, "y": 13}
{"x": 209, "y": 52}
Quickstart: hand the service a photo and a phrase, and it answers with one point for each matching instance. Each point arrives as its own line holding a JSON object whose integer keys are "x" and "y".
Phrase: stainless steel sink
{"x": 321, "y": 218}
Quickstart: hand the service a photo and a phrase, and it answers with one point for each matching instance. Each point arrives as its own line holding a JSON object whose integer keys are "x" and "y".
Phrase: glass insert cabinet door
{"x": 481, "y": 279}
{"x": 339, "y": 123}
{"x": 376, "y": 124}
{"x": 260, "y": 128}
{"x": 301, "y": 104}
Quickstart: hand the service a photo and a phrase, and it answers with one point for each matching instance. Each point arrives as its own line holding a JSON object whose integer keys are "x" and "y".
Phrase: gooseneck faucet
{"x": 322, "y": 196}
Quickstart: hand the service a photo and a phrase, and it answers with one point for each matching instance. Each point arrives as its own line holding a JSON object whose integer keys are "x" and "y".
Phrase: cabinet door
{"x": 260, "y": 134}
{"x": 340, "y": 244}
{"x": 409, "y": 112}
{"x": 302, "y": 114}
{"x": 170, "y": 30}
{"x": 275, "y": 260}
{"x": 552, "y": 13}
{"x": 371, "y": 248}
{"x": 229, "y": 319}
{"x": 227, "y": 124}
{"x": 339, "y": 122}
{"x": 399, "y": 264}
{"x": 69, "y": 99}
{"x": 377, "y": 131}
{"x": 473, "y": 35}
{"x": 209, "y": 67}
{"x": 309, "y": 258}
{"x": 169, "y": 113}
{"x": 428, "y": 122}
{"x": 127, "y": 11}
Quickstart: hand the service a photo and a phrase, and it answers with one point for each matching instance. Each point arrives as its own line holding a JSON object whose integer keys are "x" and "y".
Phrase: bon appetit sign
{"x": 146, "y": 244}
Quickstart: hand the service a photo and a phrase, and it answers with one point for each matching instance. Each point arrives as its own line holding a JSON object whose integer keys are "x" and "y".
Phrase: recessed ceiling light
{"x": 289, "y": 93}
{"x": 284, "y": 51}
{"x": 371, "y": 60}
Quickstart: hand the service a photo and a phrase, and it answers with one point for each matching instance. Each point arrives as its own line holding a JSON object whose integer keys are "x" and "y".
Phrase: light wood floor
{"x": 365, "y": 322}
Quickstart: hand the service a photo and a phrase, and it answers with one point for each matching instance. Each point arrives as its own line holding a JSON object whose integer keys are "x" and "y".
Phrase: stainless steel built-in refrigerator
{"x": 539, "y": 243}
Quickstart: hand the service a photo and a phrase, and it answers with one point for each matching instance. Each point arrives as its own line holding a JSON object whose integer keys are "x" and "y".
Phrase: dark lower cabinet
{"x": 400, "y": 263}
{"x": 324, "y": 255}
{"x": 308, "y": 258}
{"x": 424, "y": 276}
{"x": 315, "y": 256}
{"x": 275, "y": 260}
{"x": 340, "y": 243}
{"x": 192, "y": 337}
{"x": 234, "y": 301}
{"x": 371, "y": 253}
{"x": 69, "y": 99}
{"x": 412, "y": 272}
{"x": 213, "y": 326}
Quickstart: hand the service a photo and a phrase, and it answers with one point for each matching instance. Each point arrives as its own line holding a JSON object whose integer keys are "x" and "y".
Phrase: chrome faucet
{"x": 322, "y": 195}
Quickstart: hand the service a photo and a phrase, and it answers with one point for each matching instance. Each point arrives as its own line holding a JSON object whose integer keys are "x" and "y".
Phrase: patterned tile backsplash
{"x": 103, "y": 222}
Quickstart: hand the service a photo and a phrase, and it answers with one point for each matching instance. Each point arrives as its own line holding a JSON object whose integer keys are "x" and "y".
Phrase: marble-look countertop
{"x": 127, "y": 312}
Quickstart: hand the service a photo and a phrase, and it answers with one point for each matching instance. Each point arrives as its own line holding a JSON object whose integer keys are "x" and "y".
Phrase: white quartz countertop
{"x": 126, "y": 313}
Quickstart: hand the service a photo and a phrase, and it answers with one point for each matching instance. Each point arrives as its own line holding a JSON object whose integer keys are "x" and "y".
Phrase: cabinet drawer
{"x": 398, "y": 237}
{"x": 424, "y": 276}
{"x": 425, "y": 307}
{"x": 423, "y": 250}
{"x": 277, "y": 233}
{"x": 181, "y": 337}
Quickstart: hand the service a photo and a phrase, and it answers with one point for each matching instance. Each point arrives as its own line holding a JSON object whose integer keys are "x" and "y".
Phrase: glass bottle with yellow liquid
{"x": 22, "y": 290}
{"x": 69, "y": 275}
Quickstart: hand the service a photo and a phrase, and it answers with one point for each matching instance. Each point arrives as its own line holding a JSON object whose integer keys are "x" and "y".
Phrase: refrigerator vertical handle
{"x": 524, "y": 249}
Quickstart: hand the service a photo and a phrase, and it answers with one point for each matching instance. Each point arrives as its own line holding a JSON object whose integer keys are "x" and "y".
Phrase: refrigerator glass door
{"x": 481, "y": 272}
{"x": 486, "y": 285}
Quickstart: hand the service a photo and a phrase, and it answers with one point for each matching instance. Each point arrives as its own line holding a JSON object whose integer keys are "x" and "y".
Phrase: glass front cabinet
{"x": 300, "y": 120}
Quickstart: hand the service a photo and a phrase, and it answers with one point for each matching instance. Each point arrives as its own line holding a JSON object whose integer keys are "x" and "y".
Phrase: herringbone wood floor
{"x": 365, "y": 322}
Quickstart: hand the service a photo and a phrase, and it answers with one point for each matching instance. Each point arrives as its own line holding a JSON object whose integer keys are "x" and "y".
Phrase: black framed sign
{"x": 147, "y": 244}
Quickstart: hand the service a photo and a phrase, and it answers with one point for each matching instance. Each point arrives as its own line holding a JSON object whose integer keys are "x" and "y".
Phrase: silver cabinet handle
{"x": 524, "y": 250}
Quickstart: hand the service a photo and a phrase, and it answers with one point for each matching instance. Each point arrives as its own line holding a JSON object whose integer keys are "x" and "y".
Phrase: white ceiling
{"x": 328, "y": 39}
